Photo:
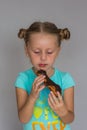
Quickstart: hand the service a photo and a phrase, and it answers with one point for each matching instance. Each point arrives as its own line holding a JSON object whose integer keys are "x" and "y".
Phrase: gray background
{"x": 15, "y": 14}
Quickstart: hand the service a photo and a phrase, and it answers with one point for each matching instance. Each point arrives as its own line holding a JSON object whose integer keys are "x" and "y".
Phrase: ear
{"x": 58, "y": 50}
{"x": 26, "y": 50}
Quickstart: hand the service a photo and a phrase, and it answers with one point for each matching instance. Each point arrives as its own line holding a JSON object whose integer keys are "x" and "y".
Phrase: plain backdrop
{"x": 15, "y": 14}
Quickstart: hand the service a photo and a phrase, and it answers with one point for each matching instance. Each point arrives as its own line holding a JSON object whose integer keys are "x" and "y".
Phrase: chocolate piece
{"x": 49, "y": 83}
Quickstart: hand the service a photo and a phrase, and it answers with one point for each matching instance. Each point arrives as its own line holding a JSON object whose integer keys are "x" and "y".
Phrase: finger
{"x": 52, "y": 99}
{"x": 50, "y": 104}
{"x": 39, "y": 77}
{"x": 59, "y": 97}
{"x": 41, "y": 88}
{"x": 40, "y": 82}
{"x": 56, "y": 100}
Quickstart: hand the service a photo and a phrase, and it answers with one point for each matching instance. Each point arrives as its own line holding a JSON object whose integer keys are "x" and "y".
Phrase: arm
{"x": 69, "y": 103}
{"x": 25, "y": 102}
{"x": 63, "y": 106}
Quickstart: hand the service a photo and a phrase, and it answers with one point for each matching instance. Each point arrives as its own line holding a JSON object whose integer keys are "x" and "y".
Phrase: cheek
{"x": 52, "y": 58}
{"x": 33, "y": 57}
{"x": 54, "y": 55}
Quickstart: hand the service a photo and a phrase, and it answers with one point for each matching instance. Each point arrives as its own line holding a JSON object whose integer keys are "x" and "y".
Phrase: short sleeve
{"x": 67, "y": 81}
{"x": 21, "y": 81}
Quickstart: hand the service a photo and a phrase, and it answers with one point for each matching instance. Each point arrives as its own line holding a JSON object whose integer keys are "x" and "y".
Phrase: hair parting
{"x": 44, "y": 27}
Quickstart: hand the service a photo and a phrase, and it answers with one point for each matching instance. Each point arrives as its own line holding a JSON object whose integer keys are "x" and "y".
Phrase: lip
{"x": 42, "y": 65}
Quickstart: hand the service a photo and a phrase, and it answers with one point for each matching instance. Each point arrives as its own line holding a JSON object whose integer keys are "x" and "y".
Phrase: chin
{"x": 42, "y": 68}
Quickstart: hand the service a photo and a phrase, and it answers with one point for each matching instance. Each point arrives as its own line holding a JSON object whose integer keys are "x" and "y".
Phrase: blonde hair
{"x": 46, "y": 27}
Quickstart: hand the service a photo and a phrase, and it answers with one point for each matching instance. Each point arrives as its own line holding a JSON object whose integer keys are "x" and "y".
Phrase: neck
{"x": 49, "y": 72}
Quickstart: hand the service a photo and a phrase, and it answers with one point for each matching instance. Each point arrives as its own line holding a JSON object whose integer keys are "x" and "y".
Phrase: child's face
{"x": 42, "y": 50}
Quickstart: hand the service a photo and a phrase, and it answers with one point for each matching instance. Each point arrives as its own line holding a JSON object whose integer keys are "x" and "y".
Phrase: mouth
{"x": 42, "y": 65}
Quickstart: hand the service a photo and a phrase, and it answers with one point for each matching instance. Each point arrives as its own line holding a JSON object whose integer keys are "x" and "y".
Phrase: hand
{"x": 57, "y": 104}
{"x": 37, "y": 86}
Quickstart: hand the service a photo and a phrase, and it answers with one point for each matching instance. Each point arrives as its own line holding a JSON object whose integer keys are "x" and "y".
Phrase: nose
{"x": 43, "y": 56}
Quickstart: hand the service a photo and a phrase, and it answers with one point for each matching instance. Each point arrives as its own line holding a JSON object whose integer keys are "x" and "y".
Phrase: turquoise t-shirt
{"x": 43, "y": 117}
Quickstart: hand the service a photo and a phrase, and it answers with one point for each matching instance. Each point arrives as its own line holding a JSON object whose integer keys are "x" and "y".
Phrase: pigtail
{"x": 64, "y": 34}
{"x": 22, "y": 33}
{"x": 47, "y": 27}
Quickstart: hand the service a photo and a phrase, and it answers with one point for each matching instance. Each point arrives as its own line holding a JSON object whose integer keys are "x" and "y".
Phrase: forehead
{"x": 43, "y": 39}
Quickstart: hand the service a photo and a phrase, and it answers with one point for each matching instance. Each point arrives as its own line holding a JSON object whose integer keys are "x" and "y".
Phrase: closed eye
{"x": 49, "y": 52}
{"x": 36, "y": 52}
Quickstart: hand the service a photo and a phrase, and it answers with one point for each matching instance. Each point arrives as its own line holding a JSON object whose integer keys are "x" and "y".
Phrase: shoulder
{"x": 66, "y": 79}
{"x": 60, "y": 73}
{"x": 24, "y": 79}
{"x": 63, "y": 74}
{"x": 25, "y": 74}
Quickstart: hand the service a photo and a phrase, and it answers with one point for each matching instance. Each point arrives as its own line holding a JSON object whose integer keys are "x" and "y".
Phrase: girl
{"x": 38, "y": 107}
